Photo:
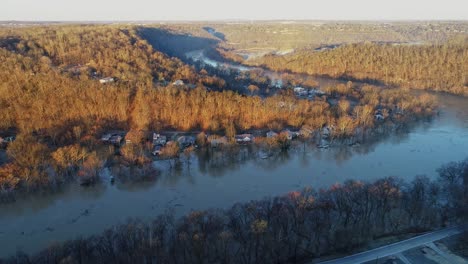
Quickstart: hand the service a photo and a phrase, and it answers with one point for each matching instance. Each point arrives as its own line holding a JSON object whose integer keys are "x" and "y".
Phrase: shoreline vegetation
{"x": 131, "y": 164}
{"x": 59, "y": 97}
{"x": 299, "y": 226}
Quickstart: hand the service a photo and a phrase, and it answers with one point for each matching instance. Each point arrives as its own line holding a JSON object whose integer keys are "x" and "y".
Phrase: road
{"x": 396, "y": 248}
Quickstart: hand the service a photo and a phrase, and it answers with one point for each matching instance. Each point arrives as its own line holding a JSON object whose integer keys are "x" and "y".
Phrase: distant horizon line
{"x": 231, "y": 20}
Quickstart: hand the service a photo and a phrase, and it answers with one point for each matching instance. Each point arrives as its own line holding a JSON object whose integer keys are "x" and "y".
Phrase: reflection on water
{"x": 221, "y": 178}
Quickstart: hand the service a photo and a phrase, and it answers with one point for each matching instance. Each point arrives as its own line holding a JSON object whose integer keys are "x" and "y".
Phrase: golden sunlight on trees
{"x": 89, "y": 171}
{"x": 50, "y": 93}
{"x": 439, "y": 67}
{"x": 9, "y": 177}
{"x": 68, "y": 158}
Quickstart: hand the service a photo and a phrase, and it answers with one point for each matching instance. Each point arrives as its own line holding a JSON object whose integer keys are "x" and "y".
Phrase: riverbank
{"x": 126, "y": 168}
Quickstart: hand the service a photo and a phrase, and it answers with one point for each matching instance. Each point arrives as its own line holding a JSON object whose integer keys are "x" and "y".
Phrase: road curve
{"x": 398, "y": 247}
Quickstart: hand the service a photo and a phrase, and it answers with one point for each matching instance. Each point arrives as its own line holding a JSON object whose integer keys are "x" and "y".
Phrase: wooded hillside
{"x": 431, "y": 67}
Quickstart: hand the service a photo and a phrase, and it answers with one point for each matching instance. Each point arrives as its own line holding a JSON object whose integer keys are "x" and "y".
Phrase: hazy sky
{"x": 232, "y": 9}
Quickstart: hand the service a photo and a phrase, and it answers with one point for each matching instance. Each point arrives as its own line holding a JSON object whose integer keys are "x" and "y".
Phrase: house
{"x": 277, "y": 83}
{"x": 159, "y": 140}
{"x": 116, "y": 139}
{"x": 244, "y": 138}
{"x": 271, "y": 134}
{"x": 106, "y": 137}
{"x": 113, "y": 137}
{"x": 6, "y": 140}
{"x": 379, "y": 117}
{"x": 186, "y": 141}
{"x": 315, "y": 92}
{"x": 9, "y": 139}
{"x": 299, "y": 91}
{"x": 178, "y": 83}
{"x": 106, "y": 80}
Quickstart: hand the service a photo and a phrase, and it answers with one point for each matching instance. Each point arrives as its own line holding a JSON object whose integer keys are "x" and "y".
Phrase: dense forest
{"x": 288, "y": 229}
{"x": 54, "y": 104}
{"x": 438, "y": 67}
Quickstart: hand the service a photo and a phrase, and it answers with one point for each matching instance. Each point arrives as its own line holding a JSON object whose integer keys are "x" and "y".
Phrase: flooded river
{"x": 219, "y": 181}
{"x": 33, "y": 223}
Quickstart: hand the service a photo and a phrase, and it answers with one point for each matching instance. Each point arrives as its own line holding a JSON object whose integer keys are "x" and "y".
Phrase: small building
{"x": 186, "y": 141}
{"x": 315, "y": 92}
{"x": 107, "y": 80}
{"x": 106, "y": 137}
{"x": 178, "y": 83}
{"x": 116, "y": 139}
{"x": 159, "y": 140}
{"x": 244, "y": 138}
{"x": 300, "y": 91}
{"x": 271, "y": 134}
{"x": 9, "y": 139}
{"x": 379, "y": 117}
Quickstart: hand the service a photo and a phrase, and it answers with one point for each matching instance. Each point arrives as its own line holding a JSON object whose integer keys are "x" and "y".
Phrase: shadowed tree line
{"x": 287, "y": 229}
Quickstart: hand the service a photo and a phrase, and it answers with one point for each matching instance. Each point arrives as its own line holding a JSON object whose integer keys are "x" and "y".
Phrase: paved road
{"x": 398, "y": 247}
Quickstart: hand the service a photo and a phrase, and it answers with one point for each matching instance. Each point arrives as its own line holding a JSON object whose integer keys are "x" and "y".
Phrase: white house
{"x": 244, "y": 138}
{"x": 299, "y": 91}
{"x": 178, "y": 83}
{"x": 379, "y": 117}
{"x": 107, "y": 80}
{"x": 159, "y": 140}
